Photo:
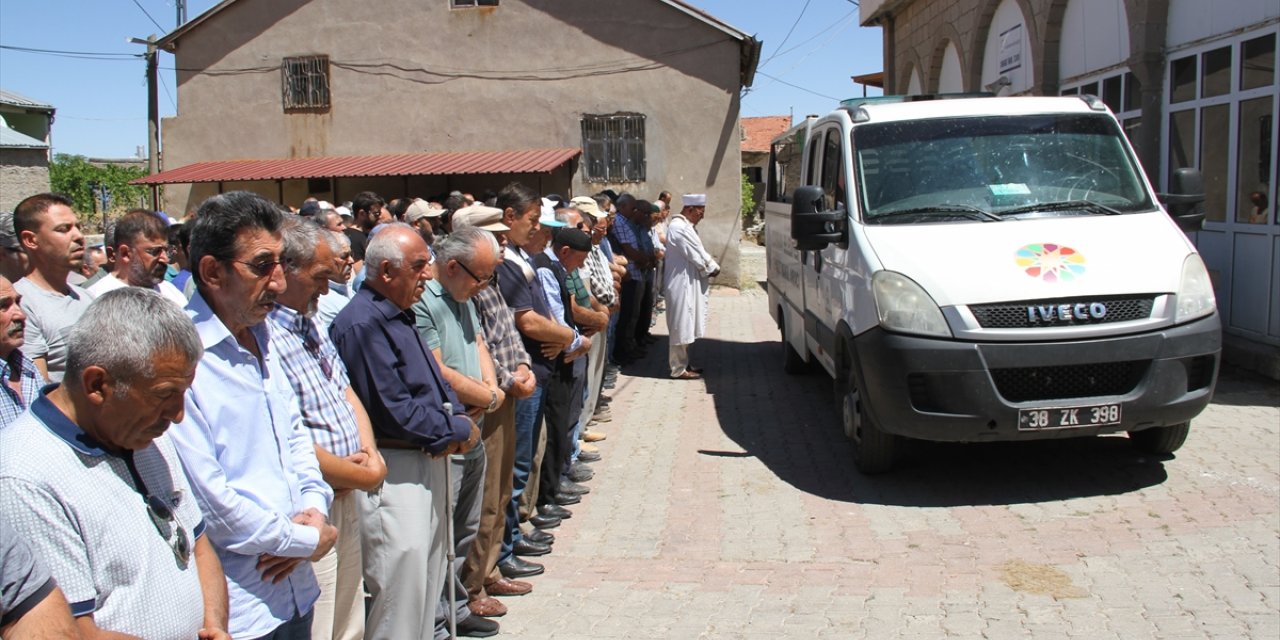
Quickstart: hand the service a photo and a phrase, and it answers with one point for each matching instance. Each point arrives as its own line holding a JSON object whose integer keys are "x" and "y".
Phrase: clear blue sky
{"x": 102, "y": 103}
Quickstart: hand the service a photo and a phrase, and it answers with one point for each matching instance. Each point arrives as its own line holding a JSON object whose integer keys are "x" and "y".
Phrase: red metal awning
{"x": 407, "y": 164}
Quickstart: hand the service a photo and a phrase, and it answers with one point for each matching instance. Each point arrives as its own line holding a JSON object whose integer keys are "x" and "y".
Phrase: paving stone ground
{"x": 729, "y": 508}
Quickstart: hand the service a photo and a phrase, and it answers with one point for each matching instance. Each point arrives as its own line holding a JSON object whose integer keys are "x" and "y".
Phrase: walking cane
{"x": 450, "y": 553}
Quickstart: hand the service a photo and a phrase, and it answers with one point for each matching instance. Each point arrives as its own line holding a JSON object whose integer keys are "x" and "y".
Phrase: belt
{"x": 392, "y": 443}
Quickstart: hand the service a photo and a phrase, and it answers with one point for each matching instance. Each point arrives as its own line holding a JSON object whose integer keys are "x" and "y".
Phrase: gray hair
{"x": 337, "y": 241}
{"x": 124, "y": 331}
{"x": 326, "y": 216}
{"x": 300, "y": 239}
{"x": 383, "y": 246}
{"x": 462, "y": 243}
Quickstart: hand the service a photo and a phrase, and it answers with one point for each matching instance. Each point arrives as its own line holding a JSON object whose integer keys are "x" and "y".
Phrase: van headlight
{"x": 1195, "y": 291}
{"x": 905, "y": 307}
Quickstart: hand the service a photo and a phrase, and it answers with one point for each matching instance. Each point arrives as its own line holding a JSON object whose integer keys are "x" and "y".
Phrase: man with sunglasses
{"x": 90, "y": 478}
{"x": 334, "y": 417}
{"x": 142, "y": 257}
{"x": 246, "y": 452}
{"x": 450, "y": 325}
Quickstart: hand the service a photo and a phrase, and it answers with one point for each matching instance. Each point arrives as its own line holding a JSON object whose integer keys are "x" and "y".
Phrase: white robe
{"x": 685, "y": 273}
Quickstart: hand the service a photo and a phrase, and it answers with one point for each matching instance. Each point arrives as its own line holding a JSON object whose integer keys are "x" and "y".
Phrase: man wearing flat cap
{"x": 423, "y": 217}
{"x": 687, "y": 272}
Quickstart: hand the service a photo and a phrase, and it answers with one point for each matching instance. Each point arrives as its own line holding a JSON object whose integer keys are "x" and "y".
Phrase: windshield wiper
{"x": 945, "y": 210}
{"x": 1065, "y": 205}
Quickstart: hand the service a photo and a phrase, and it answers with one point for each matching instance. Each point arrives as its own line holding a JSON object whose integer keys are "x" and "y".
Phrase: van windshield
{"x": 1008, "y": 166}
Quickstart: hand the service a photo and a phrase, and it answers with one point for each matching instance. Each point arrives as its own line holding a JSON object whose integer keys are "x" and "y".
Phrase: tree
{"x": 76, "y": 178}
{"x": 748, "y": 202}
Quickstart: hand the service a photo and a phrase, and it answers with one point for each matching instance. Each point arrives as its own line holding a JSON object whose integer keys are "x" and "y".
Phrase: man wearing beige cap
{"x": 688, "y": 271}
{"x": 511, "y": 364}
{"x": 423, "y": 217}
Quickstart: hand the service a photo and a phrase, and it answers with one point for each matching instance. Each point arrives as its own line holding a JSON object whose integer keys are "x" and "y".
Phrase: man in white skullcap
{"x": 687, "y": 272}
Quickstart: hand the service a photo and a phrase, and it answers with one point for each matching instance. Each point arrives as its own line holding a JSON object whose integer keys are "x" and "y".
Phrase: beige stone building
{"x": 327, "y": 98}
{"x": 1193, "y": 82}
{"x": 25, "y": 130}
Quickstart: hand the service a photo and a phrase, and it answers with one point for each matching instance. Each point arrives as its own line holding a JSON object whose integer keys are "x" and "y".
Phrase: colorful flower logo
{"x": 1051, "y": 262}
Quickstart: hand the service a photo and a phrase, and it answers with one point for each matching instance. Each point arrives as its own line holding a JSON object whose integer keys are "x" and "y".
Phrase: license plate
{"x": 1094, "y": 415}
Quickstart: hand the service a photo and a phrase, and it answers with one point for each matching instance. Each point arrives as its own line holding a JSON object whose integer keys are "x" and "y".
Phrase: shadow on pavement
{"x": 792, "y": 425}
{"x": 1241, "y": 388}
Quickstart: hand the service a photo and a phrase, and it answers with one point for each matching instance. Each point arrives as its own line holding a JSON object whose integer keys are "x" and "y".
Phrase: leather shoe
{"x": 591, "y": 435}
{"x": 508, "y": 587}
{"x": 514, "y": 567}
{"x": 588, "y": 456}
{"x": 553, "y": 510}
{"x": 541, "y": 537}
{"x": 687, "y": 375}
{"x": 487, "y": 607}
{"x": 527, "y": 547}
{"x": 694, "y": 369}
{"x": 570, "y": 488}
{"x": 566, "y": 499}
{"x": 543, "y": 521}
{"x": 580, "y": 473}
{"x": 477, "y": 627}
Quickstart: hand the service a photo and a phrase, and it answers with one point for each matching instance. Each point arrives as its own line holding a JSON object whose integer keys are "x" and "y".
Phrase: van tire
{"x": 874, "y": 451}
{"x": 792, "y": 363}
{"x": 1160, "y": 440}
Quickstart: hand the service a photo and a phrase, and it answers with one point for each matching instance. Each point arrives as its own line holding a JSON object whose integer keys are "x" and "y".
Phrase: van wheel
{"x": 1160, "y": 440}
{"x": 874, "y": 451}
{"x": 791, "y": 361}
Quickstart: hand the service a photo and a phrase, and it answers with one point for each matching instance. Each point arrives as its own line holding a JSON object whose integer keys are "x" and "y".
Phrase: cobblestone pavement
{"x": 728, "y": 508}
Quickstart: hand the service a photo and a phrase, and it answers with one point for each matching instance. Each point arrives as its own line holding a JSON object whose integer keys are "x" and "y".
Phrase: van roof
{"x": 972, "y": 107}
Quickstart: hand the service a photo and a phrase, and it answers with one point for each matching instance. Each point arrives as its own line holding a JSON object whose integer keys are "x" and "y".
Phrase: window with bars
{"x": 613, "y": 148}
{"x": 305, "y": 83}
{"x": 461, "y": 4}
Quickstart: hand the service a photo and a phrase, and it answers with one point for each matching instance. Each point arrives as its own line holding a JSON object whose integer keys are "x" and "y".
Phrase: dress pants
{"x": 645, "y": 311}
{"x": 468, "y": 492}
{"x": 529, "y": 499}
{"x": 404, "y": 546}
{"x": 298, "y": 628}
{"x": 528, "y": 417}
{"x": 595, "y": 376}
{"x": 339, "y": 613}
{"x": 625, "y": 339}
{"x": 558, "y": 406}
{"x": 678, "y": 358}
{"x": 498, "y": 435}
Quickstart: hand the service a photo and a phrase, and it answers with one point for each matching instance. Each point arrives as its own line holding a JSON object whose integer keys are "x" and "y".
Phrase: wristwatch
{"x": 493, "y": 402}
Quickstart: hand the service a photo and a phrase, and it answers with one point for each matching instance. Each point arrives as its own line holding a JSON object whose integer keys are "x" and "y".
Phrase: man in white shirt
{"x": 142, "y": 257}
{"x": 250, "y": 460}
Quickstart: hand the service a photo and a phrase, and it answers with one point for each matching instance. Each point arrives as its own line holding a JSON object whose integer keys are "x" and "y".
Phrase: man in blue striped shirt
{"x": 22, "y": 381}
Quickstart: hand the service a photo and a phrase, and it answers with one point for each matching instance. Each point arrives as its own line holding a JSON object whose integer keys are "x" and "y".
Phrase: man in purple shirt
{"x": 417, "y": 422}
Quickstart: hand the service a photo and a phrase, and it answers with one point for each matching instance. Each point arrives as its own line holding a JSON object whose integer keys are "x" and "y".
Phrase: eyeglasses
{"x": 492, "y": 280}
{"x": 264, "y": 268}
{"x": 162, "y": 516}
{"x": 312, "y": 345}
{"x": 156, "y": 251}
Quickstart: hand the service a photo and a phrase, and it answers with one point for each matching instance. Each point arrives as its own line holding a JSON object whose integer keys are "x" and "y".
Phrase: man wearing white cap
{"x": 422, "y": 216}
{"x": 687, "y": 272}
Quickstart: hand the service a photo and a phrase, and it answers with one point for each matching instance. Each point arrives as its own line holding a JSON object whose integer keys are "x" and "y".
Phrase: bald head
{"x": 398, "y": 264}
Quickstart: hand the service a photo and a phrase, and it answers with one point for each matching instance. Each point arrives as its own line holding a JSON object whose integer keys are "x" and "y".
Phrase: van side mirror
{"x": 811, "y": 228}
{"x": 1186, "y": 194}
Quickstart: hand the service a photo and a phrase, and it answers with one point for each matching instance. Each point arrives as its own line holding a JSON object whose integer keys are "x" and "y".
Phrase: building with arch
{"x": 1193, "y": 82}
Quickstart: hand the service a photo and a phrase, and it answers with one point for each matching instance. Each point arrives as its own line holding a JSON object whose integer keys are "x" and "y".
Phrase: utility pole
{"x": 181, "y": 6}
{"x": 153, "y": 113}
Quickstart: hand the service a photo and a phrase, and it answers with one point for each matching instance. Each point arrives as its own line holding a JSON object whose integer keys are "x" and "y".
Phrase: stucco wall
{"x": 546, "y": 62}
{"x": 23, "y": 172}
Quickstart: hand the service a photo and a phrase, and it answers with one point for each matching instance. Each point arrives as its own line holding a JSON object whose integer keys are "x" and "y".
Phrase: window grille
{"x": 613, "y": 148}
{"x": 306, "y": 83}
{"x": 460, "y": 4}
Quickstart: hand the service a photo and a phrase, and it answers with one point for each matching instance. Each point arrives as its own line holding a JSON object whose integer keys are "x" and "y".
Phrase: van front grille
{"x": 1026, "y": 384}
{"x": 1044, "y": 313}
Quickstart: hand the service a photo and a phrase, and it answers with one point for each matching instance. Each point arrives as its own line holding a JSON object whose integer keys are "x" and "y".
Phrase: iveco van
{"x": 984, "y": 268}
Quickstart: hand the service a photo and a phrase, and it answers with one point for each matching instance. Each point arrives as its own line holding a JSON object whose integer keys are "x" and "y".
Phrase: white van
{"x": 983, "y": 268}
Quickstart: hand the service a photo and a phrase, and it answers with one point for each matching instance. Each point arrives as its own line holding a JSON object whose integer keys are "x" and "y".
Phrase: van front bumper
{"x": 945, "y": 390}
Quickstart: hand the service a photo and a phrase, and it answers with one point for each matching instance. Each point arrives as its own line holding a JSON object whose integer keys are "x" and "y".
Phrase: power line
{"x": 788, "y": 36}
{"x": 83, "y": 55}
{"x": 148, "y": 14}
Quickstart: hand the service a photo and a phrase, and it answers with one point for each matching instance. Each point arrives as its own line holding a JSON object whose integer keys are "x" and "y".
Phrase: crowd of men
{"x": 339, "y": 422}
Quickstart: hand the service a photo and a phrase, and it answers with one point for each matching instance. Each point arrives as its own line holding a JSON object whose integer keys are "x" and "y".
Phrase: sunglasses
{"x": 162, "y": 518}
{"x": 312, "y": 346}
{"x": 264, "y": 268}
